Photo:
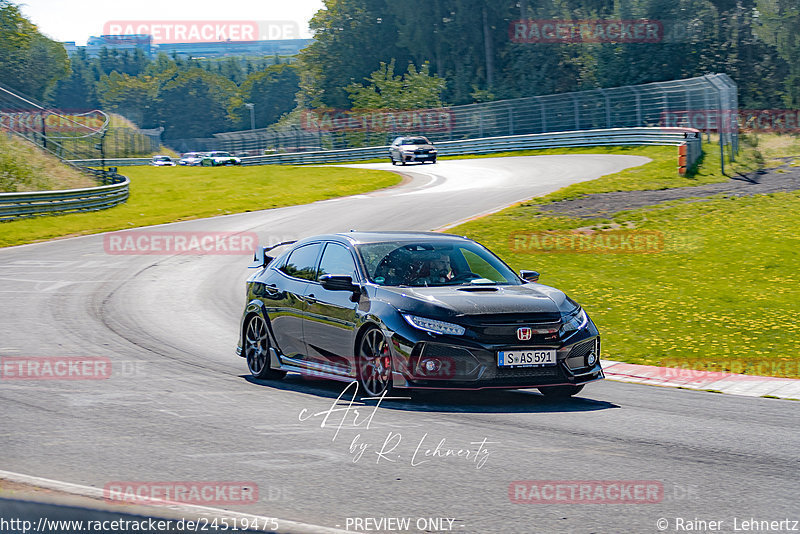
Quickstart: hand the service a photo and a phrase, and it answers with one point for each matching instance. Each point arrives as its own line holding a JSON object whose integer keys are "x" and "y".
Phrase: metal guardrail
{"x": 111, "y": 162}
{"x": 31, "y": 204}
{"x": 605, "y": 137}
{"x": 15, "y": 205}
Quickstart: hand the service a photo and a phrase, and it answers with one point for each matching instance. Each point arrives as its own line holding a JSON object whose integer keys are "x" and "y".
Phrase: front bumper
{"x": 409, "y": 157}
{"x": 472, "y": 365}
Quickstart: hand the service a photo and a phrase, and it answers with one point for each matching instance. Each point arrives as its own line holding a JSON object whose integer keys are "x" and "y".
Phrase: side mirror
{"x": 338, "y": 282}
{"x": 529, "y": 276}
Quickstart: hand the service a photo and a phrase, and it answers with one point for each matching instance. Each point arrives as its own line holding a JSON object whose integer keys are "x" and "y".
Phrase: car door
{"x": 330, "y": 321}
{"x": 288, "y": 305}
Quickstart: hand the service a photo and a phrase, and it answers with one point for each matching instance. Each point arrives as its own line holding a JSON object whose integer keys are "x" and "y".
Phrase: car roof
{"x": 357, "y": 238}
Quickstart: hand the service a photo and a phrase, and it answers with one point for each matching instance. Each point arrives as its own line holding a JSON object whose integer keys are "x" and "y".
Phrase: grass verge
{"x": 167, "y": 194}
{"x": 722, "y": 294}
{"x": 24, "y": 167}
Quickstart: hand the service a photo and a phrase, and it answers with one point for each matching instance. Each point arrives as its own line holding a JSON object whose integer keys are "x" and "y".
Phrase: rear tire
{"x": 560, "y": 392}
{"x": 257, "y": 349}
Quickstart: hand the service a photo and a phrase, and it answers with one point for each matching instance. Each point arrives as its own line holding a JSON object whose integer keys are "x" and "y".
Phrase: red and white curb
{"x": 676, "y": 377}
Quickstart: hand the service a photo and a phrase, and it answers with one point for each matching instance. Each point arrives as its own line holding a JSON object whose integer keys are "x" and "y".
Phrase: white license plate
{"x": 526, "y": 358}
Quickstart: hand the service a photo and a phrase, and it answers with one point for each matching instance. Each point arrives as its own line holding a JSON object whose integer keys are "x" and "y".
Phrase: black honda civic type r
{"x": 412, "y": 310}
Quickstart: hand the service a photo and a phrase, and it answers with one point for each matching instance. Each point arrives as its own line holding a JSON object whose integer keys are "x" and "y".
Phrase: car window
{"x": 302, "y": 262}
{"x": 433, "y": 263}
{"x": 337, "y": 260}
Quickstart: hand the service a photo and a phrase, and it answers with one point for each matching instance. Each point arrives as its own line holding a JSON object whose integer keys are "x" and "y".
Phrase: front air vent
{"x": 478, "y": 289}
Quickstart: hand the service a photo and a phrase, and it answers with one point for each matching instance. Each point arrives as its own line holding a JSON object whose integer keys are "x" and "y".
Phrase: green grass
{"x": 24, "y": 167}
{"x": 723, "y": 295}
{"x": 168, "y": 194}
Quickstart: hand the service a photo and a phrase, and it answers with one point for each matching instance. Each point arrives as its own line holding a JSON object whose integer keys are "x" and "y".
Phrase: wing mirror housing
{"x": 529, "y": 276}
{"x": 338, "y": 282}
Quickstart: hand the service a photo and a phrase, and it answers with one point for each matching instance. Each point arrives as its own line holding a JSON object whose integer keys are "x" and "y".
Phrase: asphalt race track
{"x": 179, "y": 405}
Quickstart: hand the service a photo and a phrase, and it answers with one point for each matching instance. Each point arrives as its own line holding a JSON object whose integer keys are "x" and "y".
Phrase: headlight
{"x": 432, "y": 325}
{"x": 573, "y": 321}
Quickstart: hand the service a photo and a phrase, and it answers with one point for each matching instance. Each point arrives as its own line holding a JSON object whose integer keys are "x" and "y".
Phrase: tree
{"x": 273, "y": 91}
{"x": 29, "y": 62}
{"x": 414, "y": 90}
{"x": 130, "y": 96}
{"x": 196, "y": 103}
{"x": 352, "y": 37}
{"x": 778, "y": 24}
{"x": 78, "y": 91}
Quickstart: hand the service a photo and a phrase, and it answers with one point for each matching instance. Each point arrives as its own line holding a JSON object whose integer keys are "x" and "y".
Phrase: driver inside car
{"x": 439, "y": 271}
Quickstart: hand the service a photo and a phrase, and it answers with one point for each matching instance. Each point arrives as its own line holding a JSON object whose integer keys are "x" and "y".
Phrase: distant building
{"x": 70, "y": 47}
{"x": 119, "y": 42}
{"x": 281, "y": 47}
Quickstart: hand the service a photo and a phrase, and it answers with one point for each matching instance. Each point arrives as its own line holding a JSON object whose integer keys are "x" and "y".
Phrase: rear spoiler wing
{"x": 261, "y": 259}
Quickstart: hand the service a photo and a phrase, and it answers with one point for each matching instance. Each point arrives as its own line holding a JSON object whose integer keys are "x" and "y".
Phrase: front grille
{"x": 502, "y": 328}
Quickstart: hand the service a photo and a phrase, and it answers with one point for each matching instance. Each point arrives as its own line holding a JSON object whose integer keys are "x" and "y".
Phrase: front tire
{"x": 560, "y": 392}
{"x": 257, "y": 349}
{"x": 374, "y": 363}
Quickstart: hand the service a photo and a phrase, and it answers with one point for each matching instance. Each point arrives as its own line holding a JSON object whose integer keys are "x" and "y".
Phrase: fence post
{"x": 577, "y": 112}
{"x": 544, "y": 116}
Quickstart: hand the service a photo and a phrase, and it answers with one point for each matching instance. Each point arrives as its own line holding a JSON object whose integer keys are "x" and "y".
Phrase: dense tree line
{"x": 29, "y": 61}
{"x": 187, "y": 97}
{"x": 467, "y": 43}
{"x": 459, "y": 51}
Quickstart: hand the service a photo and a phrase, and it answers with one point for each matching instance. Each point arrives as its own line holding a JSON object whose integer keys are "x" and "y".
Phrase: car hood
{"x": 452, "y": 301}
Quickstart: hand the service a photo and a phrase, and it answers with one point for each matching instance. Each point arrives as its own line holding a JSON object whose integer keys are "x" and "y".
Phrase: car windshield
{"x": 415, "y": 141}
{"x": 220, "y": 154}
{"x": 162, "y": 158}
{"x": 433, "y": 263}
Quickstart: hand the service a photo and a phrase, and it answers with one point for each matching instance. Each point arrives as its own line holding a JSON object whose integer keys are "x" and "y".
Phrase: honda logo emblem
{"x": 525, "y": 333}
